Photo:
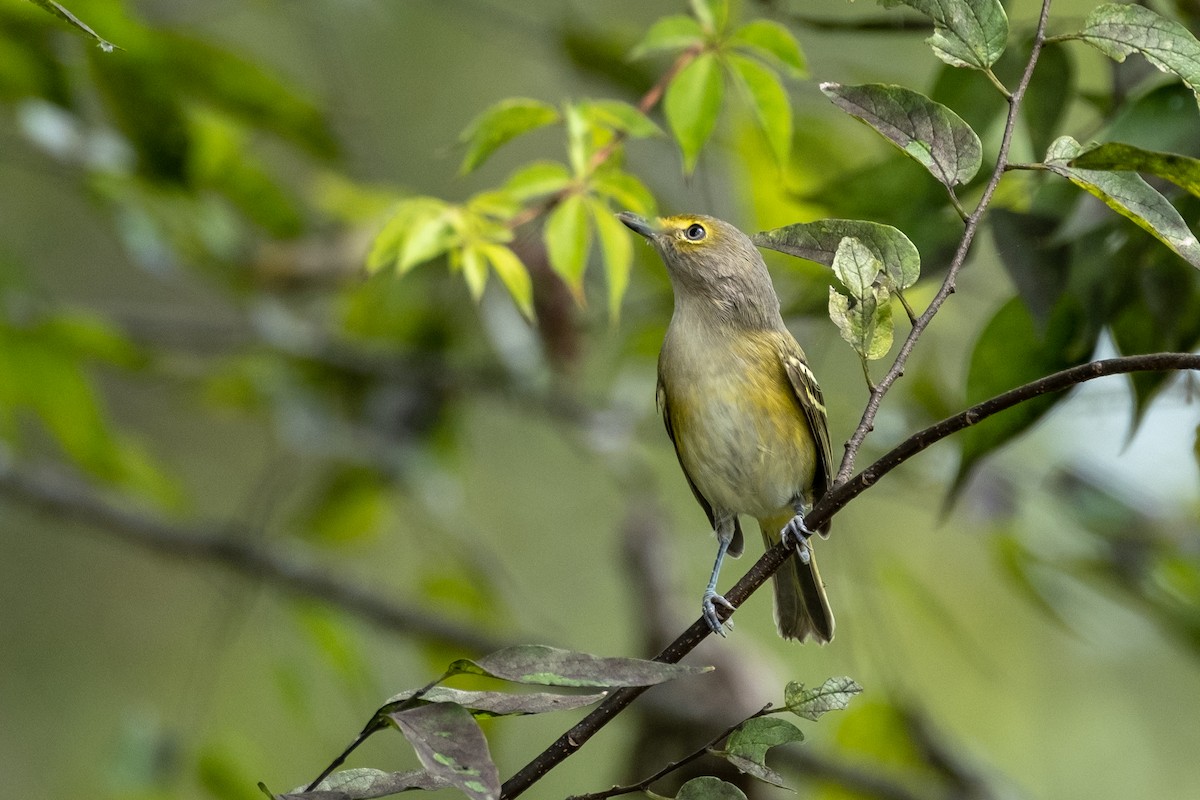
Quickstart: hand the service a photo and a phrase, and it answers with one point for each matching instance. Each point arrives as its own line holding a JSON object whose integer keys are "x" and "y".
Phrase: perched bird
{"x": 742, "y": 408}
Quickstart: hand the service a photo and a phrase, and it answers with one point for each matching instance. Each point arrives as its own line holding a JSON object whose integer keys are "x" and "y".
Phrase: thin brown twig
{"x": 645, "y": 783}
{"x": 867, "y": 422}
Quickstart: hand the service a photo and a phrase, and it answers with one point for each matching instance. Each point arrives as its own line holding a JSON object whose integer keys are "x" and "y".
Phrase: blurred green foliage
{"x": 204, "y": 331}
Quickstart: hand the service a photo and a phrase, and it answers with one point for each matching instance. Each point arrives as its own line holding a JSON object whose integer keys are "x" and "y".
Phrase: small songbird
{"x": 742, "y": 408}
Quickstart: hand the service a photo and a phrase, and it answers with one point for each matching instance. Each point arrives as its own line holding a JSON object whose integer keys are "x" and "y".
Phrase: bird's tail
{"x": 801, "y": 608}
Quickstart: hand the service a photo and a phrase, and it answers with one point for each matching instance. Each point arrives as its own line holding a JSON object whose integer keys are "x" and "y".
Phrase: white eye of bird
{"x": 695, "y": 232}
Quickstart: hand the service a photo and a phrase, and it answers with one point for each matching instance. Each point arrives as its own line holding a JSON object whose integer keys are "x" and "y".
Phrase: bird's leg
{"x": 796, "y": 534}
{"x": 710, "y": 601}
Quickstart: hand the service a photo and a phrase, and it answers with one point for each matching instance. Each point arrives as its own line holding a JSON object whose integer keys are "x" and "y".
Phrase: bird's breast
{"x": 738, "y": 426}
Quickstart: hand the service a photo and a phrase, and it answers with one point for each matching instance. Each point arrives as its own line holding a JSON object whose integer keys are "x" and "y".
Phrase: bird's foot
{"x": 709, "y": 604}
{"x": 796, "y": 535}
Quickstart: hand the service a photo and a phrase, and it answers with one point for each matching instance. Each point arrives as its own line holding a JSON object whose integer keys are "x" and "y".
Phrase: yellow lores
{"x": 742, "y": 408}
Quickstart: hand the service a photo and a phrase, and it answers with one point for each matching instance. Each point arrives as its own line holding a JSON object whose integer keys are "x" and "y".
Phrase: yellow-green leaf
{"x": 536, "y": 180}
{"x": 769, "y": 102}
{"x": 513, "y": 275}
{"x": 768, "y": 39}
{"x": 625, "y": 190}
{"x": 568, "y": 239}
{"x": 617, "y": 249}
{"x": 474, "y": 269}
{"x": 692, "y": 102}
{"x": 669, "y": 33}
{"x": 501, "y": 123}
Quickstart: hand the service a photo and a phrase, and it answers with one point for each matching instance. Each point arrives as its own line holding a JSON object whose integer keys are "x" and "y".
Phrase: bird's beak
{"x": 639, "y": 224}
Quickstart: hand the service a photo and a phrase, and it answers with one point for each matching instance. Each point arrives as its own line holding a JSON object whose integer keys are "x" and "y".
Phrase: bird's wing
{"x": 812, "y": 403}
{"x": 737, "y": 545}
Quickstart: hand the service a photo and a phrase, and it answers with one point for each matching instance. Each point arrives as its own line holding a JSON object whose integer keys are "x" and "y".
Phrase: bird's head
{"x": 709, "y": 259}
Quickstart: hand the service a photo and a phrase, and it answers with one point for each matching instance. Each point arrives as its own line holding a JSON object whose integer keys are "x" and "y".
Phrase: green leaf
{"x": 928, "y": 132}
{"x": 1128, "y": 195}
{"x": 1012, "y": 351}
{"x": 833, "y": 695}
{"x": 621, "y": 117}
{"x": 707, "y": 787}
{"x": 550, "y": 666}
{"x": 747, "y": 746}
{"x": 768, "y": 39}
{"x": 864, "y": 319}
{"x": 450, "y": 745}
{"x": 537, "y": 180}
{"x": 365, "y": 783}
{"x": 692, "y": 102}
{"x": 617, "y": 249}
{"x": 669, "y": 33}
{"x": 500, "y": 124}
{"x": 75, "y": 22}
{"x": 1118, "y": 30}
{"x": 431, "y": 232}
{"x": 391, "y": 239}
{"x": 866, "y": 324}
{"x": 1048, "y": 96}
{"x": 475, "y": 270}
{"x": 568, "y": 240}
{"x": 1182, "y": 171}
{"x": 768, "y": 100}
{"x": 713, "y": 14}
{"x": 501, "y": 704}
{"x": 512, "y": 274}
{"x": 818, "y": 241}
{"x": 856, "y": 267}
{"x": 624, "y": 189}
{"x": 580, "y": 139}
{"x": 1036, "y": 260}
{"x": 966, "y": 33}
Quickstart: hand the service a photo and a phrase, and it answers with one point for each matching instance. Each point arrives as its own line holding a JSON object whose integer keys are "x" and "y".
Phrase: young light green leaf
{"x": 768, "y": 39}
{"x": 746, "y": 748}
{"x": 865, "y": 318}
{"x": 856, "y": 267}
{"x": 537, "y": 180}
{"x": 550, "y": 666}
{"x": 394, "y": 244}
{"x": 568, "y": 239}
{"x": 474, "y": 269}
{"x": 669, "y": 33}
{"x": 624, "y": 190}
{"x": 580, "y": 139}
{"x": 500, "y": 124}
{"x": 617, "y": 249}
{"x": 706, "y": 787}
{"x": 502, "y": 704}
{"x": 1118, "y": 30}
{"x": 365, "y": 783}
{"x": 833, "y": 695}
{"x": 818, "y": 241}
{"x": 1182, "y": 171}
{"x": 1128, "y": 195}
{"x": 713, "y": 14}
{"x": 450, "y": 745}
{"x": 692, "y": 102}
{"x": 767, "y": 100}
{"x": 431, "y": 233}
{"x": 75, "y": 22}
{"x": 512, "y": 274}
{"x": 966, "y": 33}
{"x": 621, "y": 117}
{"x": 928, "y": 132}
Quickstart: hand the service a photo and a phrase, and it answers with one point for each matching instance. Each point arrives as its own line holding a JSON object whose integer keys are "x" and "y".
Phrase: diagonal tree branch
{"x": 831, "y": 503}
{"x": 234, "y": 549}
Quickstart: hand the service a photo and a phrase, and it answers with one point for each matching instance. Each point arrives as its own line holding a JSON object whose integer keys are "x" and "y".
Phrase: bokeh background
{"x": 192, "y": 352}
